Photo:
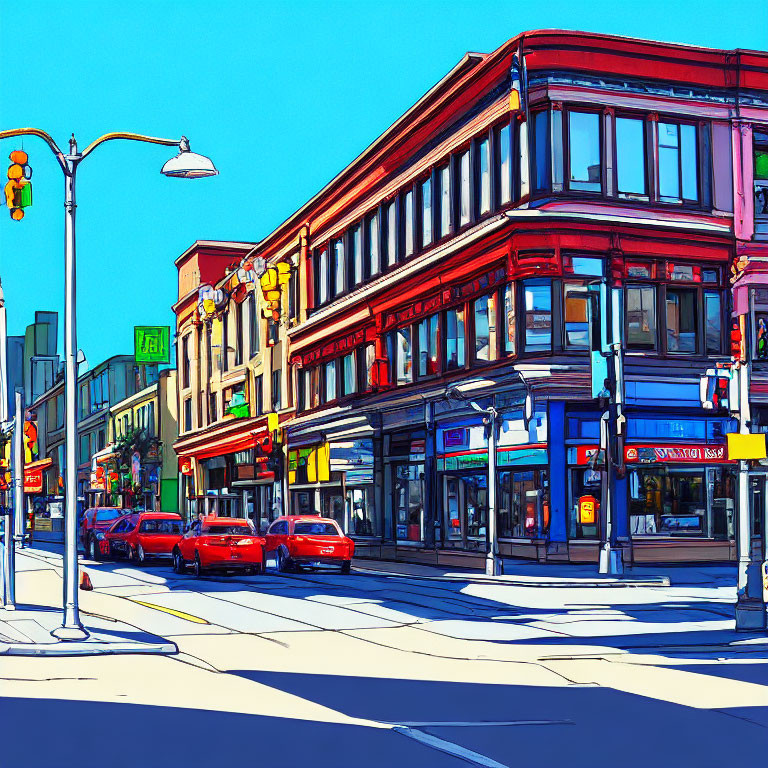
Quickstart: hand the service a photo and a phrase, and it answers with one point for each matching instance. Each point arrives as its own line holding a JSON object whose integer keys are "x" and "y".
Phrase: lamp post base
{"x": 70, "y": 633}
{"x": 493, "y": 565}
{"x": 611, "y": 561}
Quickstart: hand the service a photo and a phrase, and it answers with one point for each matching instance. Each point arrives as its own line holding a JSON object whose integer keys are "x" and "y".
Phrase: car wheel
{"x": 283, "y": 562}
{"x": 346, "y": 566}
{"x": 130, "y": 553}
{"x": 93, "y": 549}
{"x": 141, "y": 556}
{"x": 197, "y": 567}
{"x": 178, "y": 562}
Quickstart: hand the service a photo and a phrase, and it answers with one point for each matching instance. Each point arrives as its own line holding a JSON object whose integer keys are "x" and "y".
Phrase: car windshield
{"x": 316, "y": 529}
{"x": 172, "y": 527}
{"x": 227, "y": 530}
{"x": 110, "y": 514}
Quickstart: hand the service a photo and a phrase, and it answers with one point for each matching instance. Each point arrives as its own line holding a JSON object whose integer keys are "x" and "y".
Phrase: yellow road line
{"x": 172, "y": 611}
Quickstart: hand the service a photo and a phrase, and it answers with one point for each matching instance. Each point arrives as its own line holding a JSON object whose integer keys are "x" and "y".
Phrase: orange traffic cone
{"x": 85, "y": 581}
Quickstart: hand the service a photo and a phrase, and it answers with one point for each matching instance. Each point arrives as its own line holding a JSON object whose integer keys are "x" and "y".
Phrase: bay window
{"x": 541, "y": 149}
{"x": 630, "y": 158}
{"x": 504, "y": 163}
{"x": 486, "y": 339}
{"x": 538, "y": 315}
{"x": 454, "y": 339}
{"x": 429, "y": 344}
{"x": 584, "y": 167}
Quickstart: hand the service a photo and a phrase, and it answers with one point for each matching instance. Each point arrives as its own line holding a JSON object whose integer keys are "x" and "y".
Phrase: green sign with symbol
{"x": 152, "y": 343}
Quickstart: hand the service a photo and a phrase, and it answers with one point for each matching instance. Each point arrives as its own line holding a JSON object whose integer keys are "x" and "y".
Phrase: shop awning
{"x": 229, "y": 437}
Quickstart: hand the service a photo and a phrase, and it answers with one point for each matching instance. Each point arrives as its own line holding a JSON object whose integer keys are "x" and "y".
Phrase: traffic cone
{"x": 85, "y": 581}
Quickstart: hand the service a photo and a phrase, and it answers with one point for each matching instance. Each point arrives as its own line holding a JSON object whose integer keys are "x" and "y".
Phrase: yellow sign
{"x": 587, "y": 510}
{"x": 746, "y": 446}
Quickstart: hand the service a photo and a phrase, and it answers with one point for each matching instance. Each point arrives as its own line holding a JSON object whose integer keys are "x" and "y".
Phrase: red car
{"x": 95, "y": 522}
{"x": 223, "y": 543}
{"x": 309, "y": 540}
{"x": 143, "y": 535}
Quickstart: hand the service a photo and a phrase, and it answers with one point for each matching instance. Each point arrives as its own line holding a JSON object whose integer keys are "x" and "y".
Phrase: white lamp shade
{"x": 189, "y": 165}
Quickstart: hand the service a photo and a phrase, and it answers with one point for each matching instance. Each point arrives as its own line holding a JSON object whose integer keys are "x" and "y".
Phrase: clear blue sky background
{"x": 281, "y": 95}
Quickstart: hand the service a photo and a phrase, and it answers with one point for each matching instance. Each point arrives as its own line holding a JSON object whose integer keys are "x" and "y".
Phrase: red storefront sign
{"x": 674, "y": 454}
{"x": 185, "y": 465}
{"x": 33, "y": 480}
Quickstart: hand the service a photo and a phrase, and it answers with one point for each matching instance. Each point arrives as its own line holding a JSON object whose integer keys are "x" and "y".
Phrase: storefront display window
{"x": 408, "y": 501}
{"x": 523, "y": 504}
{"x": 362, "y": 517}
{"x": 585, "y": 523}
{"x": 465, "y": 510}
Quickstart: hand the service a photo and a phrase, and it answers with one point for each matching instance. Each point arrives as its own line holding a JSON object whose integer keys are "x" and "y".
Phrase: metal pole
{"x": 492, "y": 561}
{"x": 3, "y": 419}
{"x": 18, "y": 504}
{"x": 71, "y": 628}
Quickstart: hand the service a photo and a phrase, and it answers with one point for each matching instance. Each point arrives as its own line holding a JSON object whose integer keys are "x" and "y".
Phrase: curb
{"x": 86, "y": 649}
{"x": 654, "y": 581}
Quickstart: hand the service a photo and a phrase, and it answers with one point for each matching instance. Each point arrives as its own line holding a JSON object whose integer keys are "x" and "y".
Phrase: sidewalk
{"x": 545, "y": 575}
{"x": 26, "y": 631}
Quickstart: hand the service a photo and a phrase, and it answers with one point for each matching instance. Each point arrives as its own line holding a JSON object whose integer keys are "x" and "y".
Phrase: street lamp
{"x": 492, "y": 418}
{"x": 186, "y": 165}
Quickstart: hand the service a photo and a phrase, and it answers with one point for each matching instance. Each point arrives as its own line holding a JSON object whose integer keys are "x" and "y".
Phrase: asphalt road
{"x": 320, "y": 669}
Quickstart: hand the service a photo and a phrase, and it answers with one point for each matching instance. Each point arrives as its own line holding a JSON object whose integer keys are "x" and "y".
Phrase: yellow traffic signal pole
{"x": 185, "y": 165}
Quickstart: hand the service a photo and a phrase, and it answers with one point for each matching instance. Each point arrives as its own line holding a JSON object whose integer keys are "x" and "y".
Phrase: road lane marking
{"x": 449, "y": 747}
{"x": 171, "y": 611}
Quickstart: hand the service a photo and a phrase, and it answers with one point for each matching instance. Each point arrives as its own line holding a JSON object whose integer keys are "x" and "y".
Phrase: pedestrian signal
{"x": 18, "y": 188}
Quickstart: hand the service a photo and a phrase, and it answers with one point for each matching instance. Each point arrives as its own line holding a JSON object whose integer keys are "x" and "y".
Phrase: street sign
{"x": 152, "y": 343}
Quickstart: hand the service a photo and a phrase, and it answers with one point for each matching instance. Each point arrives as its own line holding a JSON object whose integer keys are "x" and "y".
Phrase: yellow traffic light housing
{"x": 18, "y": 188}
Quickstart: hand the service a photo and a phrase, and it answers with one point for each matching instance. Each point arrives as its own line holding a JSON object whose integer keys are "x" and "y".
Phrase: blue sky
{"x": 280, "y": 95}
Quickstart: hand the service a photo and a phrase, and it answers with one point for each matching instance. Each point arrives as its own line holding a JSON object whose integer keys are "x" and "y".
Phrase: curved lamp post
{"x": 185, "y": 165}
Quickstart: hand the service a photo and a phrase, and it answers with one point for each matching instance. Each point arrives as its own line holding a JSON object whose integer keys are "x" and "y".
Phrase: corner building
{"x": 563, "y": 180}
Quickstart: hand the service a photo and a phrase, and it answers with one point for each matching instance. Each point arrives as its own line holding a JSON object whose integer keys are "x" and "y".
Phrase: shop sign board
{"x": 185, "y": 465}
{"x": 33, "y": 480}
{"x": 674, "y": 454}
{"x": 152, "y": 343}
{"x": 746, "y": 447}
{"x": 517, "y": 457}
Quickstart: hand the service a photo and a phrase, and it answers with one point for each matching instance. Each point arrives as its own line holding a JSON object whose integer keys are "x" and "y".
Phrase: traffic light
{"x": 272, "y": 282}
{"x": 18, "y": 188}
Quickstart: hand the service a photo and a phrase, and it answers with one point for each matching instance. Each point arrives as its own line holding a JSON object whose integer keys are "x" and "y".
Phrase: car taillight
{"x": 219, "y": 542}
{"x": 245, "y": 541}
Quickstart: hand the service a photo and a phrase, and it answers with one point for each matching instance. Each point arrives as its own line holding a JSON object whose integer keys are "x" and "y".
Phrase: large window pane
{"x": 392, "y": 233}
{"x": 350, "y": 374}
{"x": 714, "y": 323}
{"x": 370, "y": 360}
{"x": 669, "y": 163}
{"x": 681, "y": 321}
{"x": 401, "y": 355}
{"x": 445, "y": 200}
{"x": 454, "y": 339}
{"x": 464, "y": 189}
{"x": 630, "y": 157}
{"x": 584, "y": 151}
{"x": 330, "y": 381}
{"x": 356, "y": 257}
{"x": 374, "y": 257}
{"x": 505, "y": 165}
{"x": 510, "y": 325}
{"x": 484, "y": 176}
{"x": 339, "y": 268}
{"x": 486, "y": 344}
{"x": 538, "y": 316}
{"x": 426, "y": 213}
{"x": 576, "y": 300}
{"x": 429, "y": 363}
{"x": 321, "y": 289}
{"x": 408, "y": 213}
{"x": 641, "y": 316}
{"x": 689, "y": 162}
{"x": 541, "y": 148}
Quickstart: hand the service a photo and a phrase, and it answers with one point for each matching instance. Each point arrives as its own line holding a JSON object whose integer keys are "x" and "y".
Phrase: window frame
{"x": 648, "y": 175}
{"x": 566, "y": 145}
{"x": 699, "y": 165}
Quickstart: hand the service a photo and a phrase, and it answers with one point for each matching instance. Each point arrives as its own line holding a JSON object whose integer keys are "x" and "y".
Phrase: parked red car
{"x": 95, "y": 522}
{"x": 309, "y": 540}
{"x": 143, "y": 535}
{"x": 223, "y": 543}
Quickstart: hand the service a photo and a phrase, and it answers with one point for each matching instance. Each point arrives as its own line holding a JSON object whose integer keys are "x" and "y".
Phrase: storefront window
{"x": 408, "y": 501}
{"x": 454, "y": 339}
{"x": 585, "y": 524}
{"x": 465, "y": 510}
{"x": 362, "y": 514}
{"x": 523, "y": 504}
{"x": 538, "y": 316}
{"x": 486, "y": 345}
{"x": 672, "y": 501}
{"x": 429, "y": 362}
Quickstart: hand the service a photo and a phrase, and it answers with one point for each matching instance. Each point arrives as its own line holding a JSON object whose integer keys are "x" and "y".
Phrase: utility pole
{"x": 3, "y": 419}
{"x": 18, "y": 504}
{"x": 492, "y": 563}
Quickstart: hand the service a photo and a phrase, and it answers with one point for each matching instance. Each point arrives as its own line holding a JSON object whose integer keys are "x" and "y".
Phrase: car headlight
{"x": 100, "y": 536}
